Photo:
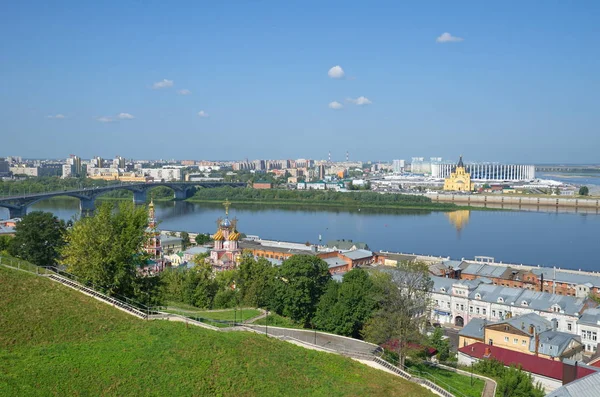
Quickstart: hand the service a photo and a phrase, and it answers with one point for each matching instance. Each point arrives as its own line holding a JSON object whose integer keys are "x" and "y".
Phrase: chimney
{"x": 531, "y": 329}
{"x": 488, "y": 352}
{"x": 542, "y": 282}
{"x": 522, "y": 325}
{"x": 537, "y": 343}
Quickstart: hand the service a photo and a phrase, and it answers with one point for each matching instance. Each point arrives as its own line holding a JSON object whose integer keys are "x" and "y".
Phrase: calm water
{"x": 562, "y": 239}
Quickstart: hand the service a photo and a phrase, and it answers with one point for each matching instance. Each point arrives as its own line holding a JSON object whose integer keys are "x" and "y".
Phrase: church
{"x": 459, "y": 180}
{"x": 226, "y": 253}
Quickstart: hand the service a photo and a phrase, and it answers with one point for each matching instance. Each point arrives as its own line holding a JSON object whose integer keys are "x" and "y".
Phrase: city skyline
{"x": 302, "y": 79}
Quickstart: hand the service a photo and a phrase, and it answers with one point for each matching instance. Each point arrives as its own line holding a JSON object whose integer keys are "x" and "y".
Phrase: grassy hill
{"x": 56, "y": 341}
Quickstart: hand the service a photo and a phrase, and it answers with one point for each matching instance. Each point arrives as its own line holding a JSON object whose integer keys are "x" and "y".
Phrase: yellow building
{"x": 529, "y": 334}
{"x": 459, "y": 180}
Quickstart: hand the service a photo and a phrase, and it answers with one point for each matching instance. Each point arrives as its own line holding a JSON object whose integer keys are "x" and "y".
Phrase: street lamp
{"x": 267, "y": 324}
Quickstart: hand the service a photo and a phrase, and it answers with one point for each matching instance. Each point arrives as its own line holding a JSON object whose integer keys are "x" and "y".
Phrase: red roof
{"x": 528, "y": 362}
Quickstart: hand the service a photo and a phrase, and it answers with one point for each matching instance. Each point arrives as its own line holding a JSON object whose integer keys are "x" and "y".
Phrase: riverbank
{"x": 334, "y": 204}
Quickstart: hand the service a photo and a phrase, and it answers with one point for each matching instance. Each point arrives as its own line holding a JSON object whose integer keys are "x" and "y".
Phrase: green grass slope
{"x": 56, "y": 341}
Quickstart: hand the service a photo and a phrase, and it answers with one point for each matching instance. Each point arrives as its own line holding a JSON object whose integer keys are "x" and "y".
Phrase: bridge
{"x": 17, "y": 205}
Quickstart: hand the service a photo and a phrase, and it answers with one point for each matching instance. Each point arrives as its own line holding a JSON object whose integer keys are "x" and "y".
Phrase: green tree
{"x": 403, "y": 301}
{"x": 106, "y": 248}
{"x": 185, "y": 240}
{"x": 584, "y": 191}
{"x": 39, "y": 237}
{"x": 199, "y": 286}
{"x": 512, "y": 381}
{"x": 255, "y": 281}
{"x": 5, "y": 242}
{"x": 352, "y": 305}
{"x": 301, "y": 281}
{"x": 437, "y": 341}
{"x": 202, "y": 238}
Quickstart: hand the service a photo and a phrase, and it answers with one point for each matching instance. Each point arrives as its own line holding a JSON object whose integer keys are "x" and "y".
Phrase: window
{"x": 506, "y": 339}
{"x": 483, "y": 310}
{"x": 594, "y": 336}
{"x": 457, "y": 306}
{"x": 569, "y": 326}
{"x": 524, "y": 303}
{"x": 523, "y": 342}
{"x": 501, "y": 300}
{"x": 442, "y": 289}
{"x": 462, "y": 307}
{"x": 437, "y": 302}
{"x": 506, "y": 328}
{"x": 477, "y": 310}
{"x": 491, "y": 342}
{"x": 493, "y": 313}
{"x": 515, "y": 341}
{"x": 448, "y": 303}
{"x": 470, "y": 309}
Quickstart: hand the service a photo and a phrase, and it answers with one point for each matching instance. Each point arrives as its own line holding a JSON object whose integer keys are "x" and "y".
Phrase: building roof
{"x": 528, "y": 362}
{"x": 553, "y": 343}
{"x": 196, "y": 250}
{"x": 586, "y": 386}
{"x": 564, "y": 276}
{"x": 7, "y": 230}
{"x": 398, "y": 257}
{"x": 474, "y": 329}
{"x": 478, "y": 269}
{"x": 335, "y": 262}
{"x": 346, "y": 244}
{"x": 590, "y": 317}
{"x": 482, "y": 289}
{"x": 165, "y": 239}
{"x": 358, "y": 254}
{"x": 545, "y": 300}
{"x": 523, "y": 323}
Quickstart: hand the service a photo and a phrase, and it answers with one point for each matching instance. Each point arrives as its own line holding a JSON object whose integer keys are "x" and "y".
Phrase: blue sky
{"x": 521, "y": 86}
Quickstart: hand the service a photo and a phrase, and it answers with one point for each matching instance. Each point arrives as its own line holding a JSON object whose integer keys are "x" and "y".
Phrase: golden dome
{"x": 218, "y": 236}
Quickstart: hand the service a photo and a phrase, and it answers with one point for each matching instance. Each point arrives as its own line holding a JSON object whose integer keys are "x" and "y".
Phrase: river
{"x": 569, "y": 240}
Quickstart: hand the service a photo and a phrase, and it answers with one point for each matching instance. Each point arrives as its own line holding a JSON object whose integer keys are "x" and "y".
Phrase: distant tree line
{"x": 317, "y": 196}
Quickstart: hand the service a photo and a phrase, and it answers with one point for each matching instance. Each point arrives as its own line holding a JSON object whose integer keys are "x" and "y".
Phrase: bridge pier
{"x": 139, "y": 197}
{"x": 87, "y": 206}
{"x": 180, "y": 195}
{"x": 19, "y": 212}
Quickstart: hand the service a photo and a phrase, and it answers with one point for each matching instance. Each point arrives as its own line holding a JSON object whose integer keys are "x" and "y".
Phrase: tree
{"x": 39, "y": 236}
{"x": 202, "y": 238}
{"x": 344, "y": 308}
{"x": 255, "y": 281}
{"x": 437, "y": 341}
{"x": 403, "y": 302}
{"x": 106, "y": 248}
{"x": 5, "y": 242}
{"x": 584, "y": 191}
{"x": 512, "y": 381}
{"x": 301, "y": 281}
{"x": 185, "y": 239}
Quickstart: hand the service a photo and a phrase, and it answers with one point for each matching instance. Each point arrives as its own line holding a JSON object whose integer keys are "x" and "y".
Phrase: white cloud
{"x": 57, "y": 116}
{"x": 184, "y": 92}
{"x": 125, "y": 116}
{"x": 162, "y": 84}
{"x": 105, "y": 119}
{"x": 448, "y": 38}
{"x": 202, "y": 113}
{"x": 360, "y": 101}
{"x": 335, "y": 105}
{"x": 336, "y": 72}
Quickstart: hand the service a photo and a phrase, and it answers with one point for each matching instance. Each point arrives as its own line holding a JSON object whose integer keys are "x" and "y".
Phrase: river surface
{"x": 569, "y": 240}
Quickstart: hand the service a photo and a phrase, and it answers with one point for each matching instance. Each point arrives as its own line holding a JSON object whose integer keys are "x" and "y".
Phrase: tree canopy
{"x": 584, "y": 191}
{"x": 39, "y": 237}
{"x": 106, "y": 248}
{"x": 346, "y": 306}
{"x": 403, "y": 301}
{"x": 301, "y": 280}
